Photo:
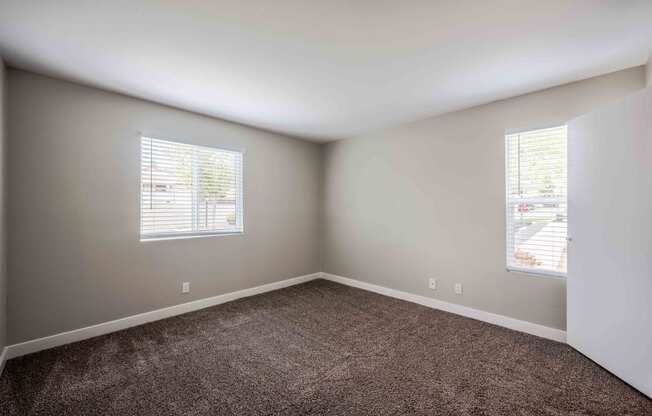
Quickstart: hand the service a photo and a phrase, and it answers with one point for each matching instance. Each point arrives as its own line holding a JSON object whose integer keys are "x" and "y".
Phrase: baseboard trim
{"x": 3, "y": 359}
{"x": 492, "y": 318}
{"x": 40, "y": 344}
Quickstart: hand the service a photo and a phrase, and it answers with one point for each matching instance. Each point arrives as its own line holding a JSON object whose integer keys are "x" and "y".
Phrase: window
{"x": 536, "y": 176}
{"x": 188, "y": 190}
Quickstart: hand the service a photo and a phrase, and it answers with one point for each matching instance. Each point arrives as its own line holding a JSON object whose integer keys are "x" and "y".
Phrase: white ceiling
{"x": 326, "y": 69}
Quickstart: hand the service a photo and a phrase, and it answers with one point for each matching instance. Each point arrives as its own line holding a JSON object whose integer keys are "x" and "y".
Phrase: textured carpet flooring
{"x": 315, "y": 349}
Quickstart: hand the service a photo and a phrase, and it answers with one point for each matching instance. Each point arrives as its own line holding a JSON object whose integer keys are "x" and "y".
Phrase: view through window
{"x": 537, "y": 223}
{"x": 189, "y": 190}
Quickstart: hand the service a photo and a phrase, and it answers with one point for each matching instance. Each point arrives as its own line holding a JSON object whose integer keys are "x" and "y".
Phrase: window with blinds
{"x": 537, "y": 223}
{"x": 189, "y": 190}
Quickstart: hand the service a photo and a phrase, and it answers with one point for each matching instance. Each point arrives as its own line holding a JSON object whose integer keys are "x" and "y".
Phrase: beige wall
{"x": 3, "y": 270}
{"x": 427, "y": 199}
{"x": 74, "y": 253}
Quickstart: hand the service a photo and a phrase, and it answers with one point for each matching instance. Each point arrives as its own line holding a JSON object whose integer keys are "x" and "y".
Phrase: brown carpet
{"x": 315, "y": 349}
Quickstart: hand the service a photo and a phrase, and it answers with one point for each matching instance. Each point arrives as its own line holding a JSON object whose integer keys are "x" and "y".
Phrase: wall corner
{"x": 648, "y": 72}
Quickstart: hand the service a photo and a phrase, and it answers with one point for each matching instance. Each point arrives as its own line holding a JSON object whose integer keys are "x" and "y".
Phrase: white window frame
{"x": 239, "y": 211}
{"x": 510, "y": 200}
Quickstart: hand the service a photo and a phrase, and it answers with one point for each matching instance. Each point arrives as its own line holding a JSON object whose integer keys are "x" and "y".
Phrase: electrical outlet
{"x": 185, "y": 287}
{"x": 458, "y": 288}
{"x": 432, "y": 283}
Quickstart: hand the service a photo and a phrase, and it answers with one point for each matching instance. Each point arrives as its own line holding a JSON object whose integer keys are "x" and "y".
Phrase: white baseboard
{"x": 3, "y": 359}
{"x": 492, "y": 318}
{"x": 56, "y": 340}
{"x": 63, "y": 338}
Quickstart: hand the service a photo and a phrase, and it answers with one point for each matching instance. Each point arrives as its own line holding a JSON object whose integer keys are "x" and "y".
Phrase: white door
{"x": 609, "y": 285}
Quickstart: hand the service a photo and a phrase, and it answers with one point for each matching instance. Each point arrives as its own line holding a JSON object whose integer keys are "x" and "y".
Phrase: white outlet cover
{"x": 458, "y": 288}
{"x": 185, "y": 287}
{"x": 432, "y": 283}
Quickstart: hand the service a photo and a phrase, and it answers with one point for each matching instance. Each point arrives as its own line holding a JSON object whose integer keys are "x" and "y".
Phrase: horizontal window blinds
{"x": 537, "y": 223}
{"x": 189, "y": 190}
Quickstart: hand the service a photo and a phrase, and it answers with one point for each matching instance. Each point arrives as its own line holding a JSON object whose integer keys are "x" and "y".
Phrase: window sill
{"x": 538, "y": 273}
{"x": 188, "y": 236}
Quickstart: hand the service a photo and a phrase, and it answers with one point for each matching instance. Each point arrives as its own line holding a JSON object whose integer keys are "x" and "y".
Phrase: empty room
{"x": 336, "y": 207}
